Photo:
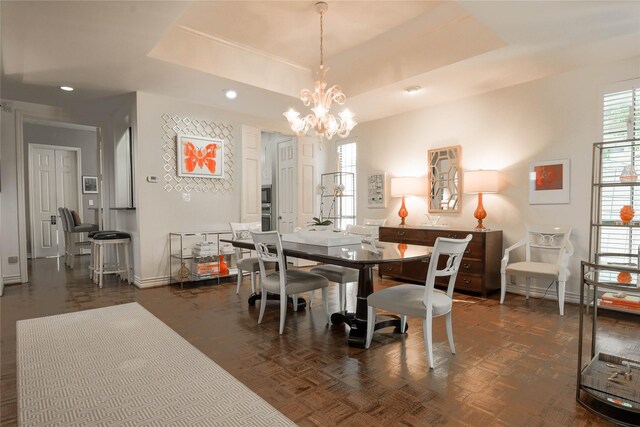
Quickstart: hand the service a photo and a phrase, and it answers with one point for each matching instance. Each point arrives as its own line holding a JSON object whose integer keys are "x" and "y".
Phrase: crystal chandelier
{"x": 320, "y": 119}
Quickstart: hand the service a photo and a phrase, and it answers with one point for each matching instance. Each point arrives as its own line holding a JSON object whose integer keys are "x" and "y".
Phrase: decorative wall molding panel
{"x": 184, "y": 125}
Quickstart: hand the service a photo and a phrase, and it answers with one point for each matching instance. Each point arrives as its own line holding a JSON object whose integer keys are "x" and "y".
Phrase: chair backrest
{"x": 548, "y": 239}
{"x": 242, "y": 231}
{"x": 63, "y": 220}
{"x": 262, "y": 241}
{"x": 454, "y": 250}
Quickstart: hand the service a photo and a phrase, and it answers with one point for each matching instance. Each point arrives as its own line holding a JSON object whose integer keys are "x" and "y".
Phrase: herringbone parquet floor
{"x": 515, "y": 366}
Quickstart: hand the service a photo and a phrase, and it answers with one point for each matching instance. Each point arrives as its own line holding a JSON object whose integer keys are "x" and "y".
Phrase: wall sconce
{"x": 478, "y": 182}
{"x": 407, "y": 186}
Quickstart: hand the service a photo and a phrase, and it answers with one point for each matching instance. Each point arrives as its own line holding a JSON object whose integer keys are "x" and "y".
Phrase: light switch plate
{"x": 90, "y": 202}
{"x": 186, "y": 197}
{"x": 152, "y": 178}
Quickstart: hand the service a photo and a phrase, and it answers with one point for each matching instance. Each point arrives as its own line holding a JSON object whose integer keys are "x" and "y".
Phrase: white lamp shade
{"x": 482, "y": 181}
{"x": 408, "y": 186}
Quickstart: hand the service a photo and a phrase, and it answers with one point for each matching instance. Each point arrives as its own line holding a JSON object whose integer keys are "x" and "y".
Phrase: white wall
{"x": 553, "y": 118}
{"x": 160, "y": 212}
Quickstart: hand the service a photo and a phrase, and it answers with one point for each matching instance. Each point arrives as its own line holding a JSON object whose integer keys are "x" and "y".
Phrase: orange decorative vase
{"x": 224, "y": 269}
{"x": 626, "y": 214}
{"x": 624, "y": 277}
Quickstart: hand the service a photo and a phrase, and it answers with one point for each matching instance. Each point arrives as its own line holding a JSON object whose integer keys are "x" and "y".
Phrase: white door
{"x": 251, "y": 208}
{"x": 44, "y": 209}
{"x": 287, "y": 186}
{"x": 306, "y": 189}
{"x": 54, "y": 183}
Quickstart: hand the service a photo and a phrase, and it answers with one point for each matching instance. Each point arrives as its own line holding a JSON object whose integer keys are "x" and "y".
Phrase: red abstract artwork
{"x": 548, "y": 177}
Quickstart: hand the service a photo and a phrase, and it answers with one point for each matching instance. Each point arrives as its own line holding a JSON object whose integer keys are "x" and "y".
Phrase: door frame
{"x": 78, "y": 152}
{"x": 52, "y": 118}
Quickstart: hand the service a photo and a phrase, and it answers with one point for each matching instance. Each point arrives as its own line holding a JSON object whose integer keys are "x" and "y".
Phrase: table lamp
{"x": 407, "y": 186}
{"x": 478, "y": 182}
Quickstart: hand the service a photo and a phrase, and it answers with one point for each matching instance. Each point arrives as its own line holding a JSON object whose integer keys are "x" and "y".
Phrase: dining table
{"x": 362, "y": 257}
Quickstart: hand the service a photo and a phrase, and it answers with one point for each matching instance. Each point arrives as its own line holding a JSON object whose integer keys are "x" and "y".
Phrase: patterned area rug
{"x": 121, "y": 366}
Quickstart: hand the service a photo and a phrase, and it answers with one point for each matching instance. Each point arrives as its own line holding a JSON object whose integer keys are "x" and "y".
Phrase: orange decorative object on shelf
{"x": 626, "y": 214}
{"x": 624, "y": 277}
{"x": 224, "y": 270}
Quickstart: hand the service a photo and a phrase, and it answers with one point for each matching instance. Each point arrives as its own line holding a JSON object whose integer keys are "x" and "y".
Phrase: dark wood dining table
{"x": 362, "y": 257}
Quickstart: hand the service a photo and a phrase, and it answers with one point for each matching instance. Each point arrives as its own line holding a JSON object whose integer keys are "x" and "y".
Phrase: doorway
{"x": 54, "y": 182}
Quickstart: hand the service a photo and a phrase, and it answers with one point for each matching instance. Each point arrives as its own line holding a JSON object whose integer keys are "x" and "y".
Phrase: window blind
{"x": 346, "y": 162}
{"x": 621, "y": 121}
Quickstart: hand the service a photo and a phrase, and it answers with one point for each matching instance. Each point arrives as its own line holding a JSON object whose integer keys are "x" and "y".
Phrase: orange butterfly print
{"x": 202, "y": 157}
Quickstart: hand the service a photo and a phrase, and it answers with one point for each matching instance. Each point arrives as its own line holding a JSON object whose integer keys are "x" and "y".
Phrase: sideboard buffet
{"x": 480, "y": 267}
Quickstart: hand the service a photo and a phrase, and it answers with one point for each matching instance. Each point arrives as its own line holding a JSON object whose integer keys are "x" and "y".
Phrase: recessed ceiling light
{"x": 66, "y": 88}
{"x": 412, "y": 90}
{"x": 230, "y": 94}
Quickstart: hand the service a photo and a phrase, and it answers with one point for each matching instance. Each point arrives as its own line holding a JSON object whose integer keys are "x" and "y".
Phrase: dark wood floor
{"x": 516, "y": 363}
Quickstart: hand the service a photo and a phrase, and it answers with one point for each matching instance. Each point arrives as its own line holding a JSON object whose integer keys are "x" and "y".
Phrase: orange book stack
{"x": 628, "y": 302}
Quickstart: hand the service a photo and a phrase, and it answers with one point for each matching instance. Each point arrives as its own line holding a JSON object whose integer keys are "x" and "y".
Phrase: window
{"x": 346, "y": 162}
{"x": 620, "y": 122}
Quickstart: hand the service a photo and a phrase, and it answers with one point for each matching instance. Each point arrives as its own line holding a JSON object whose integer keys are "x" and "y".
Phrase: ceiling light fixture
{"x": 320, "y": 119}
{"x": 412, "y": 90}
{"x": 66, "y": 88}
{"x": 230, "y": 94}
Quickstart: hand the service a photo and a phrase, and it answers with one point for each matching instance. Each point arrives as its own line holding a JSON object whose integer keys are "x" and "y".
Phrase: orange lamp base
{"x": 480, "y": 213}
{"x": 403, "y": 213}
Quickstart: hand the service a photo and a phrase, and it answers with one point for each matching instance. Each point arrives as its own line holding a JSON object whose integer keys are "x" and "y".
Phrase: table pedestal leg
{"x": 358, "y": 320}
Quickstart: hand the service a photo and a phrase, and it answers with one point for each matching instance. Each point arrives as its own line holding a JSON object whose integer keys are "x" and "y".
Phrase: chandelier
{"x": 320, "y": 119}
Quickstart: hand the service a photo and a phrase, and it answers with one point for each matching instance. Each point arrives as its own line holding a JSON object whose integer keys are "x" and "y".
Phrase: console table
{"x": 480, "y": 267}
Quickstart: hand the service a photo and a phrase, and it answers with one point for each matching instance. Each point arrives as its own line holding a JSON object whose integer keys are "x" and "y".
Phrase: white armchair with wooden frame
{"x": 545, "y": 242}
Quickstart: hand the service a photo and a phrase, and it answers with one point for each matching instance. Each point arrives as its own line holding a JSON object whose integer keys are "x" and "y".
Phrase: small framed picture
{"x": 89, "y": 184}
{"x": 200, "y": 157}
{"x": 376, "y": 188}
{"x": 549, "y": 182}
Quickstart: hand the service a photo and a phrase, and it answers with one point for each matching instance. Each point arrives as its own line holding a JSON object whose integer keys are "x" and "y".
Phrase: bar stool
{"x": 101, "y": 241}
{"x": 94, "y": 252}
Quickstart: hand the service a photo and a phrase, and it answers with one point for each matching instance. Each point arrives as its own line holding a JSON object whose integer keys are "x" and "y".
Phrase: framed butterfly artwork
{"x": 200, "y": 157}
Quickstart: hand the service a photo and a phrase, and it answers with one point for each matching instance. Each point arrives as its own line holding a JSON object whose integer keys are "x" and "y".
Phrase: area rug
{"x": 121, "y": 366}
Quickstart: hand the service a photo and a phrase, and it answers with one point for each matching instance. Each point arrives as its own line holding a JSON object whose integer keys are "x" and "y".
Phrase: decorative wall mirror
{"x": 444, "y": 179}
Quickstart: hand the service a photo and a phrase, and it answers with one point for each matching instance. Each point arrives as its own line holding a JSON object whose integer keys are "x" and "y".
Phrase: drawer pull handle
{"x": 467, "y": 251}
{"x": 467, "y": 266}
{"x": 400, "y": 233}
{"x": 467, "y": 281}
{"x": 389, "y": 268}
{"x": 452, "y": 236}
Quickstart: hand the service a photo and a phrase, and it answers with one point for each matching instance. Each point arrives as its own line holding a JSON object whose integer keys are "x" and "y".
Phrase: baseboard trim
{"x": 540, "y": 292}
{"x": 10, "y": 280}
{"x": 151, "y": 282}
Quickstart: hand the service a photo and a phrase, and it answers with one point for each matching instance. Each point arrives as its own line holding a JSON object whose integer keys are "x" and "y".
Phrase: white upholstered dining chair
{"x": 284, "y": 282}
{"x": 552, "y": 249}
{"x": 242, "y": 231}
{"x": 423, "y": 301}
{"x": 344, "y": 275}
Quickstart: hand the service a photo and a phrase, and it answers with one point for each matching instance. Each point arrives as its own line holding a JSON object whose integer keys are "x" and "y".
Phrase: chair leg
{"x": 343, "y": 296}
{"x": 527, "y": 287}
{"x": 283, "y": 311}
{"x": 371, "y": 322}
{"x": 561, "y": 286}
{"x": 239, "y": 281}
{"x": 503, "y": 287}
{"x": 449, "y": 323}
{"x": 294, "y": 297}
{"x": 126, "y": 262}
{"x": 253, "y": 282}
{"x": 263, "y": 304}
{"x": 325, "y": 303}
{"x": 101, "y": 263}
{"x": 426, "y": 325}
{"x": 72, "y": 253}
{"x": 403, "y": 324}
